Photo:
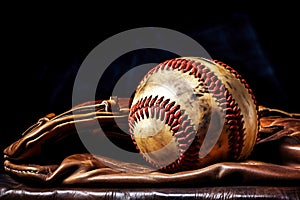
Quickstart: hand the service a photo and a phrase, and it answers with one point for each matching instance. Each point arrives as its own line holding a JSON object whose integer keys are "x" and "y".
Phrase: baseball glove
{"x": 50, "y": 153}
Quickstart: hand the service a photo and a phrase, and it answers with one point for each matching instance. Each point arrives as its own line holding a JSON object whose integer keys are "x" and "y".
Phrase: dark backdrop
{"x": 44, "y": 46}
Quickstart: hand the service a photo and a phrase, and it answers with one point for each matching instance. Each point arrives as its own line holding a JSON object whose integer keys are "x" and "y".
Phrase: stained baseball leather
{"x": 50, "y": 153}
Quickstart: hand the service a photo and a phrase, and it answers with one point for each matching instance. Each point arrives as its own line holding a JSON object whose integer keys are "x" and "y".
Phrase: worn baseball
{"x": 191, "y": 112}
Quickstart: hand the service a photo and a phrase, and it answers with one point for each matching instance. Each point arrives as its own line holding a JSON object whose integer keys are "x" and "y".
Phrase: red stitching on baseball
{"x": 172, "y": 115}
{"x": 242, "y": 80}
{"x": 225, "y": 100}
{"x": 210, "y": 80}
{"x": 238, "y": 76}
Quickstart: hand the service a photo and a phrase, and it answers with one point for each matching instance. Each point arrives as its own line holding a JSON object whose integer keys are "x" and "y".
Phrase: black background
{"x": 44, "y": 45}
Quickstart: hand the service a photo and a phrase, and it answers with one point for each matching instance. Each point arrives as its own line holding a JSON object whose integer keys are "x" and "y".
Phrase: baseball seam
{"x": 238, "y": 76}
{"x": 226, "y": 102}
{"x": 246, "y": 85}
{"x": 171, "y": 114}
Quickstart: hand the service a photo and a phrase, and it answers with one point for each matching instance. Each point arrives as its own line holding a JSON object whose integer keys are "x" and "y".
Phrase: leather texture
{"x": 10, "y": 189}
{"x": 50, "y": 153}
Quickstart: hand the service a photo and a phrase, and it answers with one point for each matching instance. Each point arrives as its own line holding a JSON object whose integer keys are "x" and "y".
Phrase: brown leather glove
{"x": 51, "y": 153}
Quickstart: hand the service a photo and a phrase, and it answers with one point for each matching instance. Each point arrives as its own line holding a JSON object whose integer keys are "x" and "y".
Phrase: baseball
{"x": 190, "y": 112}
